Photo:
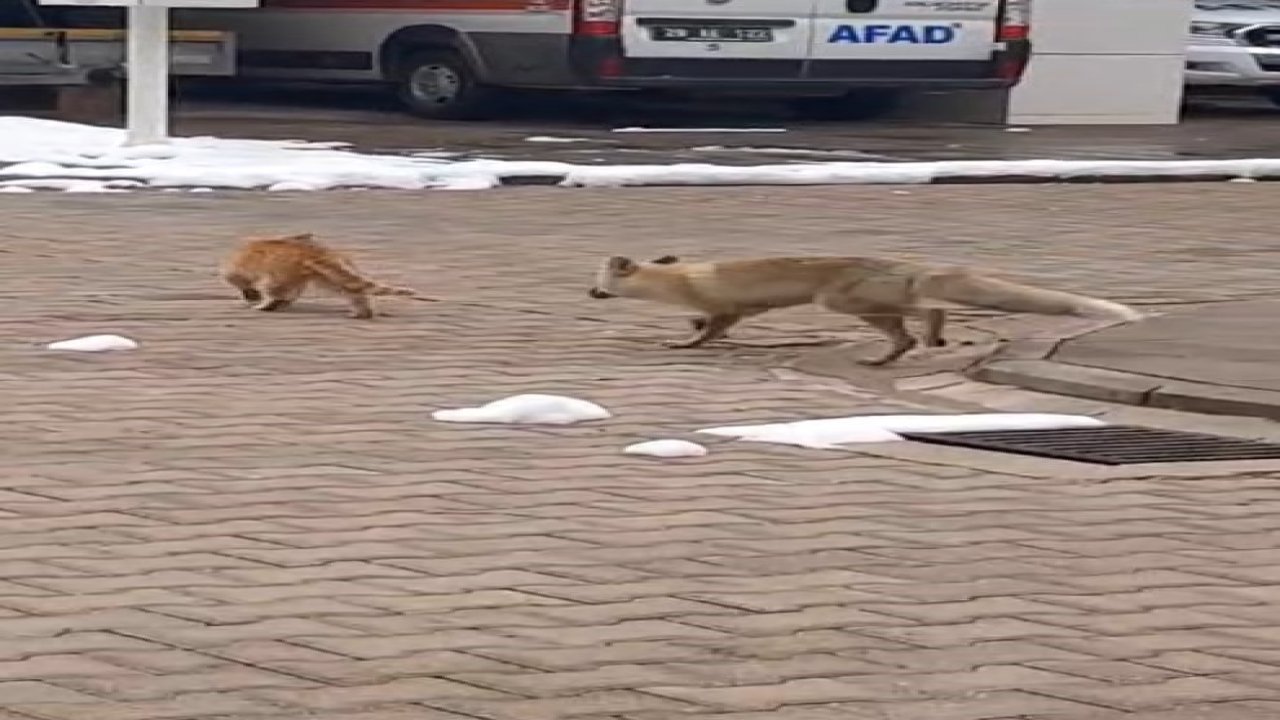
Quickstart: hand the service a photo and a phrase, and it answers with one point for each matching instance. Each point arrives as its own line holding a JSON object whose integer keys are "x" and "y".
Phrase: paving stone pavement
{"x": 253, "y": 516}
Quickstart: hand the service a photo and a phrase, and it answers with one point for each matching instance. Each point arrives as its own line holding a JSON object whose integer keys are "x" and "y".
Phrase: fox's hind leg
{"x": 245, "y": 286}
{"x": 893, "y": 326}
{"x": 934, "y": 321}
{"x": 888, "y": 319}
{"x": 361, "y": 305}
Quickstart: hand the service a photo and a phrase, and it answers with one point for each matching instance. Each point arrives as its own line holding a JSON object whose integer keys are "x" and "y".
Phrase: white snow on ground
{"x": 833, "y": 432}
{"x": 529, "y": 409}
{"x": 94, "y": 343}
{"x": 51, "y": 155}
{"x": 979, "y": 422}
{"x": 820, "y": 434}
{"x": 666, "y": 449}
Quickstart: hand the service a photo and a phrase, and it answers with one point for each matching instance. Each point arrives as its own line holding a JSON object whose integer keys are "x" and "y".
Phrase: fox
{"x": 882, "y": 292}
{"x": 272, "y": 272}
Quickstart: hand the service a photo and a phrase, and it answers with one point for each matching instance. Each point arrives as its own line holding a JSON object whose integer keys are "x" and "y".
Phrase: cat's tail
{"x": 344, "y": 277}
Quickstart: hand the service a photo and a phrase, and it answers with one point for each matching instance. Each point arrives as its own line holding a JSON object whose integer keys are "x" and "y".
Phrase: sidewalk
{"x": 1219, "y": 358}
{"x": 253, "y": 516}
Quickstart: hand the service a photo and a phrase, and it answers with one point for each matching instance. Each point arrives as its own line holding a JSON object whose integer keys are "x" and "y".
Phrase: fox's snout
{"x": 599, "y": 294}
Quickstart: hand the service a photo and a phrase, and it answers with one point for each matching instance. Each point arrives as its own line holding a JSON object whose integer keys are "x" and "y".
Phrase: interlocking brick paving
{"x": 254, "y": 516}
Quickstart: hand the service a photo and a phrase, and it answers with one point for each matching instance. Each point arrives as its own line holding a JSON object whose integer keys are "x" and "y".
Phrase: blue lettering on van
{"x": 893, "y": 34}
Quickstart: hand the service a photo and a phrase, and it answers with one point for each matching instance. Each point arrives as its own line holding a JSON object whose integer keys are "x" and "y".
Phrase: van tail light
{"x": 598, "y": 18}
{"x": 1015, "y": 20}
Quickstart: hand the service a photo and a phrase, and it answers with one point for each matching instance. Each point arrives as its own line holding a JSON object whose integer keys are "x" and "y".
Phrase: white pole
{"x": 147, "y": 68}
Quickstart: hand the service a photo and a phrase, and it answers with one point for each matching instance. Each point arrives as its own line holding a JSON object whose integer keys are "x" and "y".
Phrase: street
{"x": 581, "y": 130}
{"x": 253, "y": 516}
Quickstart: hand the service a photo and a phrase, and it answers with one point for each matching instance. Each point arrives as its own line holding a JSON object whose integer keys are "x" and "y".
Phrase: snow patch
{"x": 94, "y": 343}
{"x": 38, "y": 154}
{"x": 979, "y": 422}
{"x": 469, "y": 183}
{"x": 827, "y": 433}
{"x": 530, "y": 409}
{"x": 666, "y": 449}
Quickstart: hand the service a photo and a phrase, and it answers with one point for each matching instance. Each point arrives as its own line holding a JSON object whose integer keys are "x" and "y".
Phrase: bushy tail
{"x": 346, "y": 278}
{"x": 994, "y": 294}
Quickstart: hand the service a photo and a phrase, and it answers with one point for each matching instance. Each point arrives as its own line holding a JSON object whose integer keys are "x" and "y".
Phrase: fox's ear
{"x": 301, "y": 236}
{"x": 619, "y": 265}
{"x": 665, "y": 260}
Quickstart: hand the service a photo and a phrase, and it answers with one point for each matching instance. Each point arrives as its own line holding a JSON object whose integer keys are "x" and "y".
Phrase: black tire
{"x": 1272, "y": 94}
{"x": 439, "y": 84}
{"x": 857, "y": 105}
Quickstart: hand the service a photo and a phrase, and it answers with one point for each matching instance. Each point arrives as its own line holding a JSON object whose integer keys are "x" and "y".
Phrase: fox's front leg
{"x": 706, "y": 329}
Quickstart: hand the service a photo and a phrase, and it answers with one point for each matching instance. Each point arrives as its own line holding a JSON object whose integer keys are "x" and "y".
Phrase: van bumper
{"x": 599, "y": 62}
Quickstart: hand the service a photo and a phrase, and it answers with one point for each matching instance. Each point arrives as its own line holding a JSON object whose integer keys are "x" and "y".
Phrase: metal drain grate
{"x": 1109, "y": 444}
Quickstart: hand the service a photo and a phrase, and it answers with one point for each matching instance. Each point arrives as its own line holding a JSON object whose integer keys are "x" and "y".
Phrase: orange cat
{"x": 271, "y": 273}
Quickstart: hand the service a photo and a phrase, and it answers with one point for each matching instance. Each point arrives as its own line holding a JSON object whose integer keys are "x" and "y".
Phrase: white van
{"x": 451, "y": 59}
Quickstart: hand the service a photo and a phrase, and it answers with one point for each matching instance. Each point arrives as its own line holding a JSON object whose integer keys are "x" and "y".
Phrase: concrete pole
{"x": 147, "y": 68}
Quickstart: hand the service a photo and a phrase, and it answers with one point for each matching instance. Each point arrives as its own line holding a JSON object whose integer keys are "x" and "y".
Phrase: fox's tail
{"x": 977, "y": 291}
{"x": 344, "y": 277}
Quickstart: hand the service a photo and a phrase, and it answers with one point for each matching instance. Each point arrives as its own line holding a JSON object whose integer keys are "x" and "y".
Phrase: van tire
{"x": 439, "y": 84}
{"x": 1272, "y": 94}
{"x": 857, "y": 105}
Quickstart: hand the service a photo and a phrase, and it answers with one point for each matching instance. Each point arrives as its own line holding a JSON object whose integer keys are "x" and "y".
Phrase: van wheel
{"x": 857, "y": 105}
{"x": 1272, "y": 94}
{"x": 440, "y": 85}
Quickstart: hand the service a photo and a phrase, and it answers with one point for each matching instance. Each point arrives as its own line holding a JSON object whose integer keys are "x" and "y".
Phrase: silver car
{"x": 1236, "y": 43}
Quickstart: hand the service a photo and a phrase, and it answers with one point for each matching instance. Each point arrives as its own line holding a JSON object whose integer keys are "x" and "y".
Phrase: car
{"x": 1235, "y": 44}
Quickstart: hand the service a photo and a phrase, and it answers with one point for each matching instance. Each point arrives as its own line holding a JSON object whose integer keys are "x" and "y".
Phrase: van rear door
{"x": 718, "y": 29}
{"x": 904, "y": 29}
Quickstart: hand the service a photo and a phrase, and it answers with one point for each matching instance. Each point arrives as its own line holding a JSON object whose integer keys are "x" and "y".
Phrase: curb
{"x": 1028, "y": 364}
{"x": 545, "y": 180}
{"x": 1096, "y": 178}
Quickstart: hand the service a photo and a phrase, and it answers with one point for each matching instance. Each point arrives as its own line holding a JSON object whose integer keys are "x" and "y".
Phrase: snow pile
{"x": 666, "y": 449}
{"x": 50, "y": 155}
{"x": 982, "y": 422}
{"x": 828, "y": 433}
{"x": 94, "y": 343}
{"x": 529, "y": 409}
